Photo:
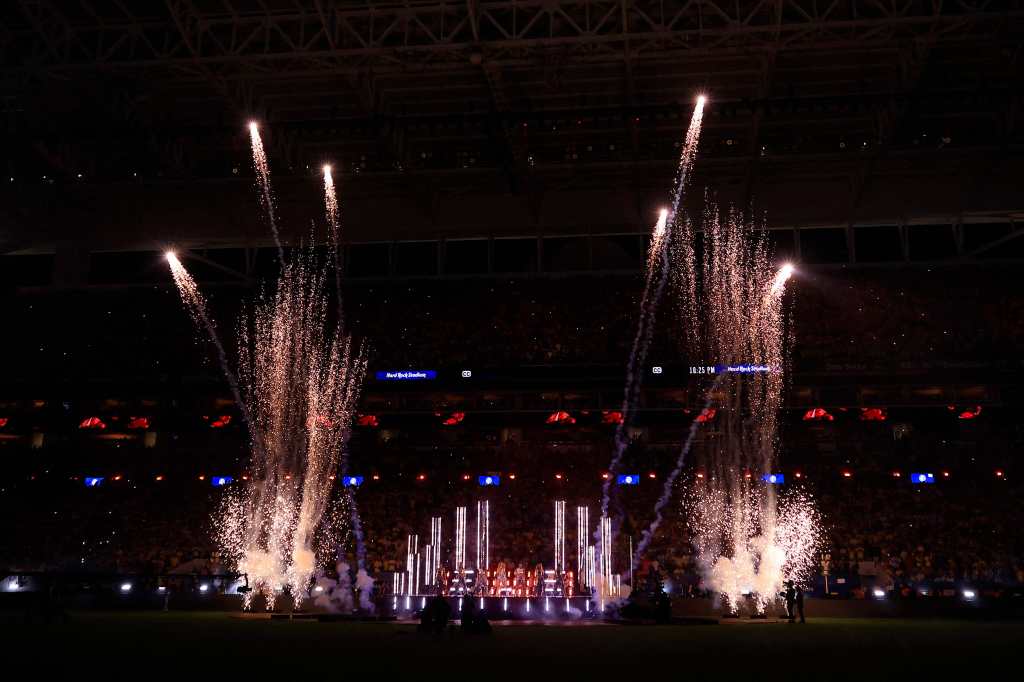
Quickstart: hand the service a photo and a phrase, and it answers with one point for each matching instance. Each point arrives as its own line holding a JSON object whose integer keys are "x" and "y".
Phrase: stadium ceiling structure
{"x": 506, "y": 117}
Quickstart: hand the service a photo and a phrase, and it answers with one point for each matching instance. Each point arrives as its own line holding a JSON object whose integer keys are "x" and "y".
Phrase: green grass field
{"x": 137, "y": 645}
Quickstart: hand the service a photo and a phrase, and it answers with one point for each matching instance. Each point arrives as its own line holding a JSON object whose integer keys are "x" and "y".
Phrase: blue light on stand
{"x": 218, "y": 481}
{"x": 773, "y": 479}
{"x": 352, "y": 481}
{"x": 93, "y": 481}
{"x": 629, "y": 479}
{"x": 489, "y": 479}
{"x": 922, "y": 478}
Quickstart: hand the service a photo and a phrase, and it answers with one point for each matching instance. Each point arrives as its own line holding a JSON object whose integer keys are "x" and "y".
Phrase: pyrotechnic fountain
{"x": 298, "y": 380}
{"x": 733, "y": 316}
{"x": 748, "y": 544}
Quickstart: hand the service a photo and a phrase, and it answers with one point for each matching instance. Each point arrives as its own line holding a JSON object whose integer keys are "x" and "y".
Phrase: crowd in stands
{"x": 879, "y": 530}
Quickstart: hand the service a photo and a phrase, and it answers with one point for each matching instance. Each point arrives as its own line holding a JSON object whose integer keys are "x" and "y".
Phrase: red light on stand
{"x": 558, "y": 476}
{"x": 421, "y": 477}
{"x": 847, "y": 473}
{"x": 706, "y": 415}
{"x": 999, "y": 473}
{"x": 512, "y": 476}
{"x": 652, "y": 475}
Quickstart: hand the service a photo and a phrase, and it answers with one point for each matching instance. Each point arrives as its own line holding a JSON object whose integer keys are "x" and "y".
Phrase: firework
{"x": 262, "y": 167}
{"x": 657, "y": 274}
{"x": 745, "y": 540}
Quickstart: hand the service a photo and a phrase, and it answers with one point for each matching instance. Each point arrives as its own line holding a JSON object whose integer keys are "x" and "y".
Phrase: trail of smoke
{"x": 333, "y": 214}
{"x": 666, "y": 493}
{"x": 262, "y": 166}
{"x": 657, "y": 262}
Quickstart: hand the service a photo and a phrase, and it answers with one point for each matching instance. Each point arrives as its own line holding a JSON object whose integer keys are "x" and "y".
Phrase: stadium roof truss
{"x": 546, "y": 95}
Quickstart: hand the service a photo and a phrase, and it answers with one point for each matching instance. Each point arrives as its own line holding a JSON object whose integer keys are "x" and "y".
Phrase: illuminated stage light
{"x": 896, "y": 474}
{"x": 126, "y": 587}
{"x": 969, "y": 594}
{"x": 489, "y": 480}
{"x": 93, "y": 481}
{"x": 161, "y": 589}
{"x": 878, "y": 593}
{"x": 774, "y": 479}
{"x": 421, "y": 477}
{"x": 847, "y": 474}
{"x": 218, "y": 481}
{"x": 352, "y": 481}
{"x": 318, "y": 588}
{"x": 629, "y": 479}
{"x": 922, "y": 478}
{"x": 999, "y": 473}
{"x": 204, "y": 588}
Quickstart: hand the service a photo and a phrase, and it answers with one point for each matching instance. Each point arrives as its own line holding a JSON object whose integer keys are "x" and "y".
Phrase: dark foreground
{"x": 143, "y": 644}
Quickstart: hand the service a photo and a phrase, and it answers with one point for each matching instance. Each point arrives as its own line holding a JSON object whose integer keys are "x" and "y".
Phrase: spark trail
{"x": 196, "y": 305}
{"x": 262, "y": 166}
{"x": 333, "y": 215}
{"x": 657, "y": 274}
